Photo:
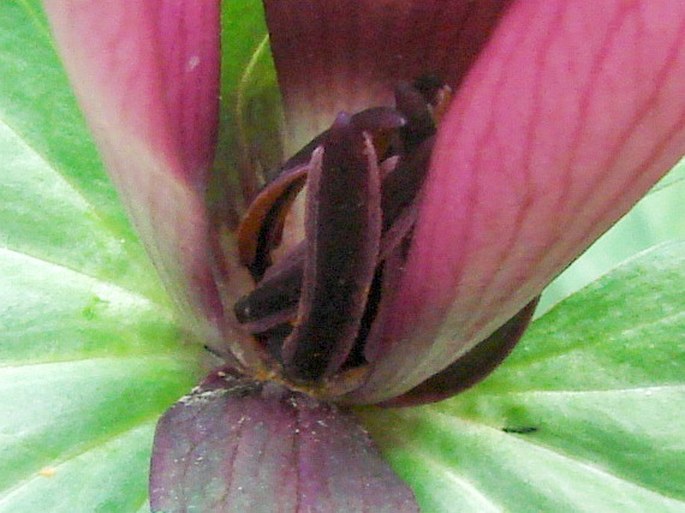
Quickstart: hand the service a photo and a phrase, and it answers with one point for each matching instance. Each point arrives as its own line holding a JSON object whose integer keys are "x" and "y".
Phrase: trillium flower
{"x": 445, "y": 161}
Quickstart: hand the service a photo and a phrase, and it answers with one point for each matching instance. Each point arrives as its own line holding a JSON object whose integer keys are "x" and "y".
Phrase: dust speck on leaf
{"x": 47, "y": 472}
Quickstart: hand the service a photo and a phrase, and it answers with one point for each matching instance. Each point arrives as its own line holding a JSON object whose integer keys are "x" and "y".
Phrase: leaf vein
{"x": 588, "y": 342}
{"x": 55, "y": 168}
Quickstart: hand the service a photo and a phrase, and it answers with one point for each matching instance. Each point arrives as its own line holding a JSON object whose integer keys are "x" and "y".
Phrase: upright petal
{"x": 190, "y": 49}
{"x": 350, "y": 54}
{"x": 146, "y": 76}
{"x": 571, "y": 113}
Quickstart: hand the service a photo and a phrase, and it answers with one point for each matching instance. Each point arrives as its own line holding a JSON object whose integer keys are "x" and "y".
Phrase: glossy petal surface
{"x": 234, "y": 446}
{"x": 570, "y": 114}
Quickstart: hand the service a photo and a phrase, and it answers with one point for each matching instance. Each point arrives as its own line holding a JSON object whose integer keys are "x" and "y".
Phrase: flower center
{"x": 318, "y": 301}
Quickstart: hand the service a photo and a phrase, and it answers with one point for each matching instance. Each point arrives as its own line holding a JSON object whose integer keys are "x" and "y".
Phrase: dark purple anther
{"x": 342, "y": 229}
{"x": 322, "y": 297}
{"x": 420, "y": 125}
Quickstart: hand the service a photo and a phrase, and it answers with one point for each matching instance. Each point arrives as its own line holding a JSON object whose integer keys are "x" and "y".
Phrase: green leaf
{"x": 86, "y": 369}
{"x": 37, "y": 103}
{"x": 676, "y": 175}
{"x": 586, "y": 415}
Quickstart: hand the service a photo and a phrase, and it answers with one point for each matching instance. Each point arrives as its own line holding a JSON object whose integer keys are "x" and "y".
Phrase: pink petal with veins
{"x": 146, "y": 74}
{"x": 571, "y": 113}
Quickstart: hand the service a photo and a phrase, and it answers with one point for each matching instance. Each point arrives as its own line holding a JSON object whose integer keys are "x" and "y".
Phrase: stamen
{"x": 342, "y": 226}
{"x": 315, "y": 308}
{"x": 278, "y": 292}
{"x": 420, "y": 125}
{"x": 260, "y": 230}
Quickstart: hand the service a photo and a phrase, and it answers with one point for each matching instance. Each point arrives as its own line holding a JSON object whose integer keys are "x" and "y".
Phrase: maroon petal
{"x": 471, "y": 368}
{"x": 343, "y": 225}
{"x": 190, "y": 75}
{"x": 234, "y": 446}
{"x": 350, "y": 54}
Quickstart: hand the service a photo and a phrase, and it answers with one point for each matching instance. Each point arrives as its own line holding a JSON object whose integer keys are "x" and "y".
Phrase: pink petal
{"x": 573, "y": 110}
{"x": 147, "y": 70}
{"x": 349, "y": 54}
{"x": 146, "y": 74}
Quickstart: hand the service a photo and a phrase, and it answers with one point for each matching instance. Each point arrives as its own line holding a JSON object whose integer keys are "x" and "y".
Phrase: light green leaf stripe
{"x": 104, "y": 480}
{"x": 44, "y": 216}
{"x": 37, "y": 102}
{"x": 56, "y": 202}
{"x": 86, "y": 369}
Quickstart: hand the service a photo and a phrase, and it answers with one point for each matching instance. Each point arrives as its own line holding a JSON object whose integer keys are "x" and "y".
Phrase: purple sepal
{"x": 236, "y": 446}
